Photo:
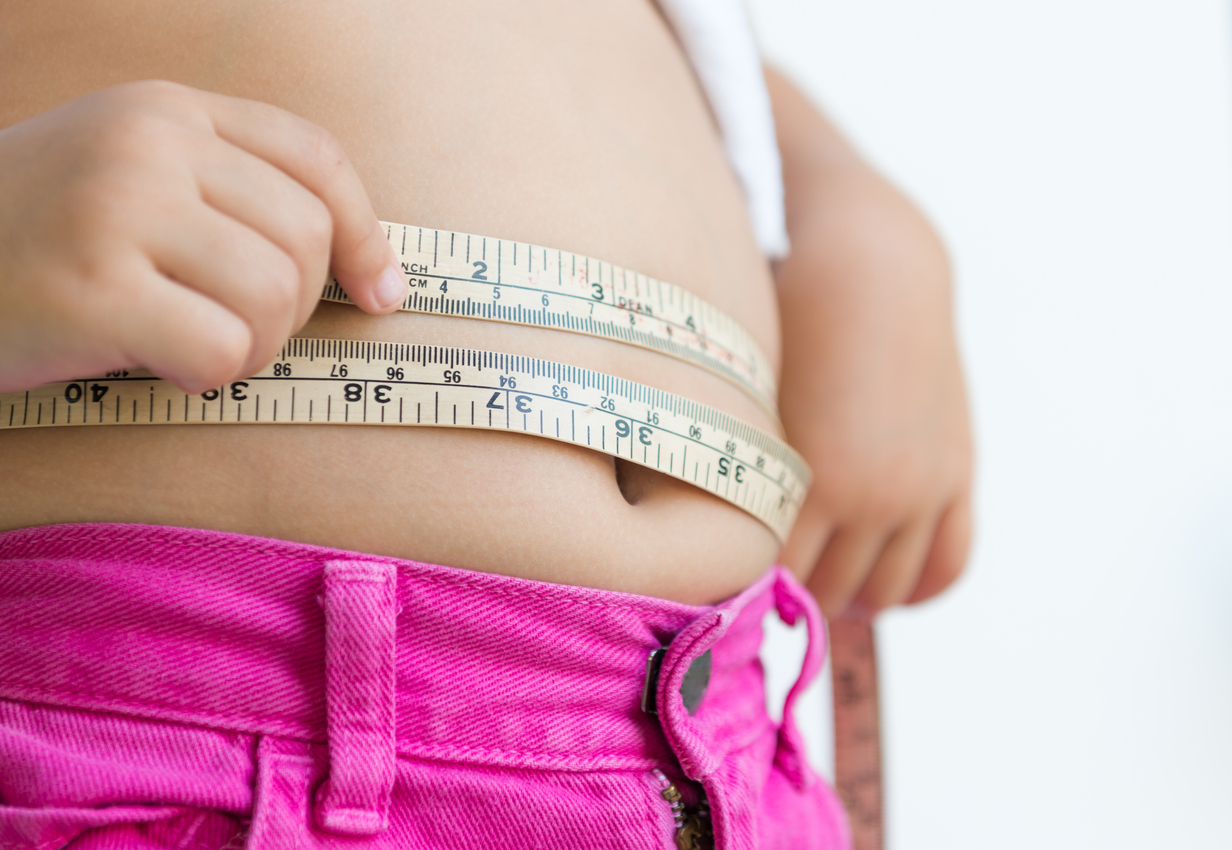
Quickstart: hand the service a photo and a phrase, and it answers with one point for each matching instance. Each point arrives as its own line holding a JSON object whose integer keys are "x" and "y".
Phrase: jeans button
{"x": 696, "y": 680}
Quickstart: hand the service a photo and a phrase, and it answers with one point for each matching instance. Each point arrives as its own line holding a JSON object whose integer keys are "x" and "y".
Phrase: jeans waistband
{"x": 276, "y": 638}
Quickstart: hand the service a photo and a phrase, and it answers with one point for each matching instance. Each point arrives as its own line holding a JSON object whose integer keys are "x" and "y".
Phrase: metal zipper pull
{"x": 693, "y": 828}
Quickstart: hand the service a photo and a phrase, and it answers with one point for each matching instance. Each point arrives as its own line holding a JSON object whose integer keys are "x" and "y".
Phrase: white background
{"x": 1075, "y": 689}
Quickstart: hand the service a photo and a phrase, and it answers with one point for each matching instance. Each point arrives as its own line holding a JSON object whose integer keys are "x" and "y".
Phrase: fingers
{"x": 240, "y": 270}
{"x": 948, "y": 554}
{"x": 848, "y": 557}
{"x": 363, "y": 260}
{"x": 178, "y": 333}
{"x": 255, "y": 193}
{"x": 897, "y": 568}
{"x": 199, "y": 229}
{"x": 864, "y": 570}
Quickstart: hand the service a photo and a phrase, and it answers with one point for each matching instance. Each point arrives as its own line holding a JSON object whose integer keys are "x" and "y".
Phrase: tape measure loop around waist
{"x": 349, "y": 382}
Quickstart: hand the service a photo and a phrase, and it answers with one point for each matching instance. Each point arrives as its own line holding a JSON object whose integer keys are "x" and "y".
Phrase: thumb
{"x": 366, "y": 268}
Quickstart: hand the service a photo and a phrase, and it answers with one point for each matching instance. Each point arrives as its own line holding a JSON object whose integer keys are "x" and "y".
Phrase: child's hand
{"x": 155, "y": 225}
{"x": 872, "y": 391}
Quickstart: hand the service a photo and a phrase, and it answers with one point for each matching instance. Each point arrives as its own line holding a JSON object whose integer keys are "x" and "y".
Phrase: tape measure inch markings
{"x": 327, "y": 381}
{"x": 479, "y": 277}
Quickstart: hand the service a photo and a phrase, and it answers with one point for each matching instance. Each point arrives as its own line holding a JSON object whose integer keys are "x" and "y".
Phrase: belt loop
{"x": 360, "y": 602}
{"x": 790, "y": 601}
{"x": 285, "y": 770}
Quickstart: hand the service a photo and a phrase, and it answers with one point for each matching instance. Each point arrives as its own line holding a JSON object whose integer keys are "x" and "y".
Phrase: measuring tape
{"x": 478, "y": 277}
{"x": 343, "y": 382}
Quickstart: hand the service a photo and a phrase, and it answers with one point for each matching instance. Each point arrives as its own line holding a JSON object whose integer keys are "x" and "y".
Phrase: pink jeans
{"x": 172, "y": 688}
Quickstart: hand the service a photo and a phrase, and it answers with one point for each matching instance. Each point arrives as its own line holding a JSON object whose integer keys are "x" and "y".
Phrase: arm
{"x": 872, "y": 391}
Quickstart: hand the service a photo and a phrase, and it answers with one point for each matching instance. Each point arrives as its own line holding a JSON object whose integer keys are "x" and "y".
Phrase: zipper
{"x": 693, "y": 827}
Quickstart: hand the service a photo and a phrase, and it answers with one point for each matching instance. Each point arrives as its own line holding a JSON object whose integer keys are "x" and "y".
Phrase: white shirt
{"x": 718, "y": 39}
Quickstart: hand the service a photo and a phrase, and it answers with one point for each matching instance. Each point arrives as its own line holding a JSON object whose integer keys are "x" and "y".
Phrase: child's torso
{"x": 571, "y": 125}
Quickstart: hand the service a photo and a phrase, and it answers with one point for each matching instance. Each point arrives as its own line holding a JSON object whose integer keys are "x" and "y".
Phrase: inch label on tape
{"x": 478, "y": 277}
{"x": 342, "y": 382}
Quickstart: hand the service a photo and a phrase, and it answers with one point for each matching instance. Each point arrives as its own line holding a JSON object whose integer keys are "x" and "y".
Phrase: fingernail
{"x": 390, "y": 288}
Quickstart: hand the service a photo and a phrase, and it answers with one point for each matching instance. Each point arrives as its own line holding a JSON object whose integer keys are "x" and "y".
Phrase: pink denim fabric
{"x": 173, "y": 688}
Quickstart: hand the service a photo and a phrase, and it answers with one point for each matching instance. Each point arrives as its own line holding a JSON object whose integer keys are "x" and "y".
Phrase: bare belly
{"x": 572, "y": 125}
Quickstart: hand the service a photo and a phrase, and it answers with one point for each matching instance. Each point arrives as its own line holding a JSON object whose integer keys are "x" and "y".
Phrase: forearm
{"x": 871, "y": 389}
{"x": 849, "y": 226}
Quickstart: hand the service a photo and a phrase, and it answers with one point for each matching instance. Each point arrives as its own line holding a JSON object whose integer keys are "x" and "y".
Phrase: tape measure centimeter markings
{"x": 329, "y": 381}
{"x": 479, "y": 277}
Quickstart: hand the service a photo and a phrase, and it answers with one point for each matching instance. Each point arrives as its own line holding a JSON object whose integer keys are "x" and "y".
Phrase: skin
{"x": 186, "y": 226}
{"x": 872, "y": 391}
